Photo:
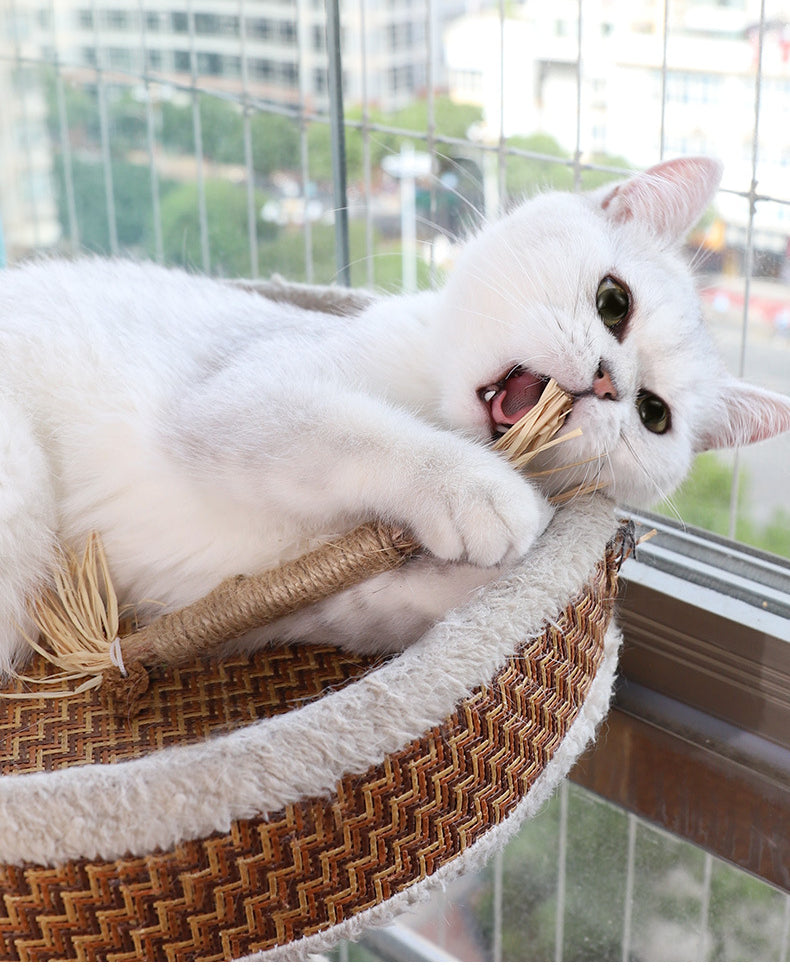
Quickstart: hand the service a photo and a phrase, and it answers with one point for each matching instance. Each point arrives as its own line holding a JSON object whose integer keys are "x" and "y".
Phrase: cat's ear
{"x": 669, "y": 198}
{"x": 745, "y": 414}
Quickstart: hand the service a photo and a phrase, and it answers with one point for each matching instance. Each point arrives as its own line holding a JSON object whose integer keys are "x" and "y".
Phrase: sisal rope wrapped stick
{"x": 79, "y": 617}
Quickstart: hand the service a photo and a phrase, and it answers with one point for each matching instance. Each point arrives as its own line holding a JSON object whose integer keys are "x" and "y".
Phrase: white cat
{"x": 205, "y": 431}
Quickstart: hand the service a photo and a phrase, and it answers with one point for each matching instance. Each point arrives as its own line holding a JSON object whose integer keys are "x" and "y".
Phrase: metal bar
{"x": 65, "y": 138}
{"x": 197, "y": 130}
{"x": 304, "y": 155}
{"x": 663, "y": 123}
{"x": 704, "y": 919}
{"x": 562, "y": 862}
{"x": 629, "y": 889}
{"x": 398, "y": 943}
{"x": 577, "y": 171}
{"x": 104, "y": 130}
{"x": 337, "y": 121}
{"x": 498, "y": 917}
{"x": 430, "y": 134}
{"x": 367, "y": 173}
{"x": 749, "y": 258}
{"x": 150, "y": 131}
{"x": 249, "y": 162}
{"x": 501, "y": 143}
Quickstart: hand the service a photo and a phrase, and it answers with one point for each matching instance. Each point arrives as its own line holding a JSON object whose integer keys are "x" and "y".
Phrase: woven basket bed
{"x": 272, "y": 805}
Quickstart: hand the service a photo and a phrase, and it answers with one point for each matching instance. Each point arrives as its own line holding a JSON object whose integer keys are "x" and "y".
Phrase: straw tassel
{"x": 80, "y": 619}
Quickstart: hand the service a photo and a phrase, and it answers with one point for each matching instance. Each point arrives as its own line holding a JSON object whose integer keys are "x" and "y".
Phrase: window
{"x": 704, "y": 702}
{"x": 116, "y": 20}
{"x": 261, "y": 27}
{"x": 182, "y": 61}
{"x": 208, "y": 63}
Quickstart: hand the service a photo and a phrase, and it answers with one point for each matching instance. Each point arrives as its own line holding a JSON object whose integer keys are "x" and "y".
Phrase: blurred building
{"x": 28, "y": 214}
{"x": 631, "y": 95}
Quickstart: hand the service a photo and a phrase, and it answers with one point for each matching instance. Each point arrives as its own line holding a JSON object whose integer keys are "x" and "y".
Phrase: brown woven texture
{"x": 184, "y": 704}
{"x": 274, "y": 881}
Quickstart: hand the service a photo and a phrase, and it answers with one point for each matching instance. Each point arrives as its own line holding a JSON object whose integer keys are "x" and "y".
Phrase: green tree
{"x": 275, "y": 143}
{"x": 450, "y": 120}
{"x": 227, "y": 221}
{"x": 132, "y": 203}
{"x": 221, "y": 129}
{"x": 526, "y": 176}
{"x": 177, "y": 129}
{"x": 592, "y": 178}
{"x": 704, "y": 501}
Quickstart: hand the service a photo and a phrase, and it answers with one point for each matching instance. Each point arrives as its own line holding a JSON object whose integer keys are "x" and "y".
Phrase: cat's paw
{"x": 482, "y": 512}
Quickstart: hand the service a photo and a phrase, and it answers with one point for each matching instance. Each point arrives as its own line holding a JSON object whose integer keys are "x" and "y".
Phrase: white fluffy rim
{"x": 577, "y": 739}
{"x": 150, "y": 803}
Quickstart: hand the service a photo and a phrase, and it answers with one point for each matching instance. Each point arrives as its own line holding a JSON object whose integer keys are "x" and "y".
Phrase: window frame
{"x": 698, "y": 738}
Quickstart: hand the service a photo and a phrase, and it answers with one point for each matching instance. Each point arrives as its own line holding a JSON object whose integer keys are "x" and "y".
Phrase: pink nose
{"x": 603, "y": 386}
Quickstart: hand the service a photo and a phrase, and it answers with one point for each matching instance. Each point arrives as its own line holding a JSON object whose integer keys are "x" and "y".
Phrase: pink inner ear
{"x": 747, "y": 415}
{"x": 670, "y": 197}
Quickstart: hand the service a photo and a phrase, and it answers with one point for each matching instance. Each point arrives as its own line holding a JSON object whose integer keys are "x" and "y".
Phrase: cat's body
{"x": 205, "y": 431}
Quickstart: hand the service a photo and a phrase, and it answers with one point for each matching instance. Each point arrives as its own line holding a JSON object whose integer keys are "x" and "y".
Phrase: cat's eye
{"x": 613, "y": 302}
{"x": 653, "y": 412}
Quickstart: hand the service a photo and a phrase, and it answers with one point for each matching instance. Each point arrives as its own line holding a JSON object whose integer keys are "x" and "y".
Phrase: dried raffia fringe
{"x": 80, "y": 619}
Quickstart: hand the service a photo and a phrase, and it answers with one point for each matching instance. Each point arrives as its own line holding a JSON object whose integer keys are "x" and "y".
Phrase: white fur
{"x": 206, "y": 431}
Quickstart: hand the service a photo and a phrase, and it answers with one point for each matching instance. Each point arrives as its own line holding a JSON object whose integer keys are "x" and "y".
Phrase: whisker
{"x": 662, "y": 494}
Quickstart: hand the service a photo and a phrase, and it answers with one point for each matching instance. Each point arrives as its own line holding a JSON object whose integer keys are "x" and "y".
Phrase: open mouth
{"x": 512, "y": 397}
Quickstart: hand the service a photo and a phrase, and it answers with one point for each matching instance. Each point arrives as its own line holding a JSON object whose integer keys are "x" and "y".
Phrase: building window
{"x": 209, "y": 63}
{"x": 181, "y": 61}
{"x": 262, "y": 68}
{"x": 120, "y": 58}
{"x": 116, "y": 19}
{"x": 289, "y": 73}
{"x": 261, "y": 27}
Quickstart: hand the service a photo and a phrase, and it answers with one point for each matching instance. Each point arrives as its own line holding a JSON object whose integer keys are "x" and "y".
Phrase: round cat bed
{"x": 273, "y": 805}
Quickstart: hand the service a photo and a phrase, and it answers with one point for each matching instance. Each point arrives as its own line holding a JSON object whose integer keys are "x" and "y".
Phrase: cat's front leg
{"x": 334, "y": 457}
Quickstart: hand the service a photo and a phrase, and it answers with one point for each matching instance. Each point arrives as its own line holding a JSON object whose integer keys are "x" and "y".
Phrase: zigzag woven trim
{"x": 321, "y": 861}
{"x": 187, "y": 704}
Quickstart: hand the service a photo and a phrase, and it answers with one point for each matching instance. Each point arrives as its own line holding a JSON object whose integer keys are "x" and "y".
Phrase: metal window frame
{"x": 698, "y": 740}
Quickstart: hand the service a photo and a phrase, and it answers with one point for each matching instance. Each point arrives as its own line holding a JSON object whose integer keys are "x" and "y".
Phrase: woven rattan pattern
{"x": 182, "y": 705}
{"x": 274, "y": 881}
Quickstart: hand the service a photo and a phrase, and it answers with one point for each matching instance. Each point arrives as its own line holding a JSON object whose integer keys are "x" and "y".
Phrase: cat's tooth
{"x": 489, "y": 393}
{"x": 501, "y": 427}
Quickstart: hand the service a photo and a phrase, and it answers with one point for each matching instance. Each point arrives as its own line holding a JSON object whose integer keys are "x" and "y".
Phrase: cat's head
{"x": 591, "y": 290}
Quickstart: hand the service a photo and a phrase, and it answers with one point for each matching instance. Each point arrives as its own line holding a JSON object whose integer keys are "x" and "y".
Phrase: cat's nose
{"x": 603, "y": 385}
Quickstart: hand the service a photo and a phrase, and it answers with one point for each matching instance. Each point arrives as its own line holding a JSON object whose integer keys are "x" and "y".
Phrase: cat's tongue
{"x": 517, "y": 396}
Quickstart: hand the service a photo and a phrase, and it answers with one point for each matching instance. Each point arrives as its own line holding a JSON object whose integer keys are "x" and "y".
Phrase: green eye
{"x": 613, "y": 302}
{"x": 653, "y": 412}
